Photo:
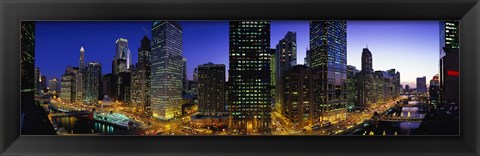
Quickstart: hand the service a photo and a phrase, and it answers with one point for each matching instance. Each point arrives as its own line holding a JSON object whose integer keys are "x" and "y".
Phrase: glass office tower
{"x": 328, "y": 58}
{"x": 166, "y": 69}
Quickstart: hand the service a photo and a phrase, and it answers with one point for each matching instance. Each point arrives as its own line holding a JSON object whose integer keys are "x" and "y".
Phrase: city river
{"x": 395, "y": 127}
{"x": 83, "y": 125}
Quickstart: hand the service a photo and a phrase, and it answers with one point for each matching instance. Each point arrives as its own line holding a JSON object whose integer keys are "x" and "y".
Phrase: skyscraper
{"x": 352, "y": 87}
{"x": 53, "y": 86}
{"x": 328, "y": 58}
{"x": 184, "y": 75}
{"x": 144, "y": 50}
{"x": 307, "y": 58}
{"x": 211, "y": 88}
{"x": 43, "y": 83}
{"x": 27, "y": 58}
{"x": 79, "y": 78}
{"x": 273, "y": 77}
{"x": 286, "y": 58}
{"x": 141, "y": 78}
{"x": 249, "y": 77}
{"x": 122, "y": 56}
{"x": 434, "y": 90}
{"x": 123, "y": 87}
{"x": 449, "y": 62}
{"x": 298, "y": 106}
{"x": 108, "y": 86}
{"x": 67, "y": 91}
{"x": 421, "y": 85}
{"x": 36, "y": 80}
{"x": 166, "y": 69}
{"x": 92, "y": 83}
{"x": 396, "y": 86}
{"x": 366, "y": 81}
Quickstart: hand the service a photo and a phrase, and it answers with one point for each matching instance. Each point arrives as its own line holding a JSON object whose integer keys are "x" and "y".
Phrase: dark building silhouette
{"x": 43, "y": 83}
{"x": 108, "y": 86}
{"x": 27, "y": 58}
{"x": 140, "y": 87}
{"x": 421, "y": 85}
{"x": 34, "y": 120}
{"x": 299, "y": 104}
{"x": 365, "y": 81}
{"x": 449, "y": 62}
{"x": 211, "y": 88}
{"x": 434, "y": 90}
{"x": 144, "y": 50}
{"x": 285, "y": 59}
{"x": 123, "y": 82}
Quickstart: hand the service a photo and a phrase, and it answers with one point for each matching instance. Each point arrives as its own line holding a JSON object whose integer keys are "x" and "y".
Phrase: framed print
{"x": 239, "y": 77}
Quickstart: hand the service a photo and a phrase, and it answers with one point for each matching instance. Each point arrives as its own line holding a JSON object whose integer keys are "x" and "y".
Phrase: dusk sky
{"x": 411, "y": 47}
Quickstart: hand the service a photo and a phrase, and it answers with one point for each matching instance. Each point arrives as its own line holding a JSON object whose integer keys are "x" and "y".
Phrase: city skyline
{"x": 269, "y": 89}
{"x": 211, "y": 44}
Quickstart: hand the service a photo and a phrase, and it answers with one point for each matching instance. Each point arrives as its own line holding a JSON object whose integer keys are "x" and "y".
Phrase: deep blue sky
{"x": 412, "y": 47}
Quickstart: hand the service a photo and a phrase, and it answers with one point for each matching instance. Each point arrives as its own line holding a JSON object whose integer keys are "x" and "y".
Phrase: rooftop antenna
{"x": 145, "y": 30}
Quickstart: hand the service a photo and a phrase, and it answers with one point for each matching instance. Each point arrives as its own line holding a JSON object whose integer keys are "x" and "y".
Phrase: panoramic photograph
{"x": 250, "y": 78}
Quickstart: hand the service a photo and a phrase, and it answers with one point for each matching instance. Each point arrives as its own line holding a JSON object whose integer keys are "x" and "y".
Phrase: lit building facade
{"x": 27, "y": 36}
{"x": 249, "y": 77}
{"x": 184, "y": 75}
{"x": 299, "y": 105}
{"x": 286, "y": 58}
{"x": 211, "y": 88}
{"x": 141, "y": 79}
{"x": 68, "y": 85}
{"x": 434, "y": 90}
{"x": 273, "y": 77}
{"x": 365, "y": 81}
{"x": 92, "y": 83}
{"x": 166, "y": 69}
{"x": 36, "y": 81}
{"x": 449, "y": 62}
{"x": 53, "y": 86}
{"x": 122, "y": 56}
{"x": 328, "y": 59}
{"x": 79, "y": 77}
{"x": 397, "y": 87}
{"x": 352, "y": 87}
{"x": 382, "y": 87}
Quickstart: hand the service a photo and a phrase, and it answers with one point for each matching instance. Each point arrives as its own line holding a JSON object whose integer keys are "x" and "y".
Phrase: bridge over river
{"x": 401, "y": 118}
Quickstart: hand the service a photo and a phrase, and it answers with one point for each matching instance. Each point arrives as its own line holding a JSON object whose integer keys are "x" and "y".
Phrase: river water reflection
{"x": 83, "y": 125}
{"x": 395, "y": 128}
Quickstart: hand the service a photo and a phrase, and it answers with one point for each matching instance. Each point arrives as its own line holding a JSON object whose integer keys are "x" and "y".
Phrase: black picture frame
{"x": 13, "y": 11}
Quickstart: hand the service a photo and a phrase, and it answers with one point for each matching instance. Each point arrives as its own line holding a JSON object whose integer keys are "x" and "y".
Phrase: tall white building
{"x": 79, "y": 77}
{"x": 122, "y": 56}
